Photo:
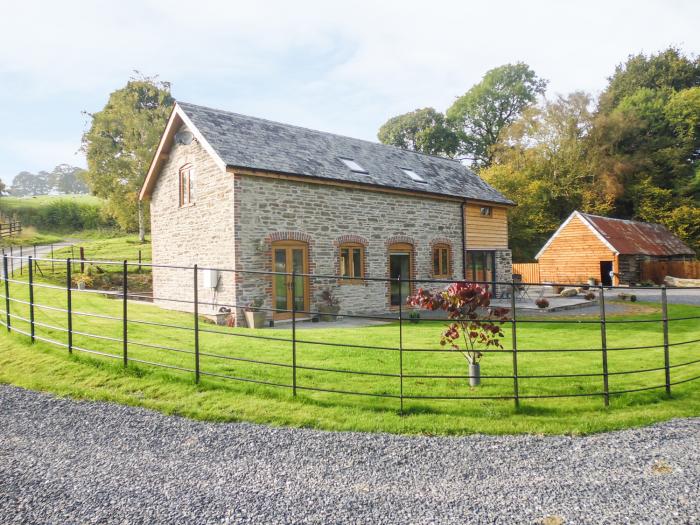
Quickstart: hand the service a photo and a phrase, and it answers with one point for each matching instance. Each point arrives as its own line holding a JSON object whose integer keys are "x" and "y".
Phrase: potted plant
{"x": 589, "y": 296}
{"x": 542, "y": 302}
{"x": 328, "y": 305}
{"x": 83, "y": 281}
{"x": 414, "y": 317}
{"x": 222, "y": 316}
{"x": 591, "y": 281}
{"x": 254, "y": 318}
{"x": 474, "y": 325}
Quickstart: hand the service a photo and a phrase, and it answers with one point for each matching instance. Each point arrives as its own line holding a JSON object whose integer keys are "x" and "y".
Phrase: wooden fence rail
{"x": 656, "y": 271}
{"x": 529, "y": 271}
{"x": 9, "y": 229}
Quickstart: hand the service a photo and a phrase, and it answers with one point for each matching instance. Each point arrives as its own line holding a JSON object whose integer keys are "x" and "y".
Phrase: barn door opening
{"x": 606, "y": 268}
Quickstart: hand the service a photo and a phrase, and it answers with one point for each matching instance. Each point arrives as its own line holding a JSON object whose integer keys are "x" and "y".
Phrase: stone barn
{"x": 588, "y": 246}
{"x": 242, "y": 193}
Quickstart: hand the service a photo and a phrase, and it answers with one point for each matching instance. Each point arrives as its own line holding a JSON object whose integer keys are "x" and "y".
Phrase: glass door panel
{"x": 399, "y": 266}
{"x": 280, "y": 285}
{"x": 299, "y": 288}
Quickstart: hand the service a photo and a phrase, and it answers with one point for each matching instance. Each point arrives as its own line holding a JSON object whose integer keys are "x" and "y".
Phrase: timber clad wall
{"x": 574, "y": 255}
{"x": 486, "y": 232}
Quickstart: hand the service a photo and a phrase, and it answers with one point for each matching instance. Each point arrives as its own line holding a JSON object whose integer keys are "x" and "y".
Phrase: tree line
{"x": 63, "y": 179}
{"x": 633, "y": 153}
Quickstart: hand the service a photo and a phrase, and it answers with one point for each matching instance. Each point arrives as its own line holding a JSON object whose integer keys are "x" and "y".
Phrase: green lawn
{"x": 50, "y": 368}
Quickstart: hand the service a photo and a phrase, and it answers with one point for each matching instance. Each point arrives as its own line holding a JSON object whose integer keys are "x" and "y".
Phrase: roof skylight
{"x": 414, "y": 176}
{"x": 354, "y": 166}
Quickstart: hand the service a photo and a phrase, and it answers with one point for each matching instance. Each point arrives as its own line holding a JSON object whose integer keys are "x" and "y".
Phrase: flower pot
{"x": 81, "y": 285}
{"x": 328, "y": 313}
{"x": 254, "y": 319}
{"x": 221, "y": 318}
{"x": 591, "y": 281}
{"x": 474, "y": 374}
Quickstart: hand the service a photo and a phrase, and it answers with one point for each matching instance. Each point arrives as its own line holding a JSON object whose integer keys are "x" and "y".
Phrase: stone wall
{"x": 270, "y": 209}
{"x": 235, "y": 219}
{"x": 201, "y": 233}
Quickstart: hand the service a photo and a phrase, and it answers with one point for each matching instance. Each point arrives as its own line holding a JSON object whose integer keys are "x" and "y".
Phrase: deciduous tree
{"x": 423, "y": 130}
{"x": 483, "y": 112}
{"x": 120, "y": 144}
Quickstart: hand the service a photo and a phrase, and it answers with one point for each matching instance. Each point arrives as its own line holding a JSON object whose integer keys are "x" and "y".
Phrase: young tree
{"x": 423, "y": 130}
{"x": 120, "y": 144}
{"x": 490, "y": 106}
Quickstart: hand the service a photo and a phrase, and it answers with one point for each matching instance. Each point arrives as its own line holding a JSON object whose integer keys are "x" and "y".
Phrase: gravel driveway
{"x": 63, "y": 461}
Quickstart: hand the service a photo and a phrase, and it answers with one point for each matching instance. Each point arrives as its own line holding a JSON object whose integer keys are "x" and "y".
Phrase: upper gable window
{"x": 486, "y": 211}
{"x": 414, "y": 176}
{"x": 354, "y": 166}
{"x": 187, "y": 185}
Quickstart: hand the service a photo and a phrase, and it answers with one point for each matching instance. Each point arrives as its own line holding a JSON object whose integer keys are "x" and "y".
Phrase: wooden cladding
{"x": 574, "y": 255}
{"x": 656, "y": 271}
{"x": 530, "y": 272}
{"x": 486, "y": 230}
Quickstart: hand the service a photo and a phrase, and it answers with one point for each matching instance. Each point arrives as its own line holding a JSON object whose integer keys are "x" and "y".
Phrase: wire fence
{"x": 401, "y": 361}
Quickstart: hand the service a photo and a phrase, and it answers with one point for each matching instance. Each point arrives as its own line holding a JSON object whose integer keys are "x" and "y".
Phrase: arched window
{"x": 352, "y": 261}
{"x": 442, "y": 269}
{"x": 187, "y": 185}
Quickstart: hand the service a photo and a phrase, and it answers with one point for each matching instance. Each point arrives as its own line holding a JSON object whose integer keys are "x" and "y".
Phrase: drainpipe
{"x": 464, "y": 241}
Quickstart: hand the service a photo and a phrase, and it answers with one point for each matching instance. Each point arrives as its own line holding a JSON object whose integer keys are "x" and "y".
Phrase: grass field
{"x": 9, "y": 204}
{"x": 224, "y": 350}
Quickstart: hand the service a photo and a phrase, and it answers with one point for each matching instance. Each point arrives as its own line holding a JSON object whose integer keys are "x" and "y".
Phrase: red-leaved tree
{"x": 473, "y": 321}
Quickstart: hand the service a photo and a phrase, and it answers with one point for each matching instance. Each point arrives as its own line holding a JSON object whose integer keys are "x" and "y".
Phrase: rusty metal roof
{"x": 634, "y": 237}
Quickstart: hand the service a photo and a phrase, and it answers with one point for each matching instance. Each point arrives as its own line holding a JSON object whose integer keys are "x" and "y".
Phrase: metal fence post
{"x": 12, "y": 262}
{"x": 124, "y": 313}
{"x": 514, "y": 345}
{"x": 400, "y": 343}
{"x": 82, "y": 259}
{"x": 294, "y": 333}
{"x": 7, "y": 293}
{"x": 31, "y": 298}
{"x": 69, "y": 304}
{"x": 196, "y": 325}
{"x": 604, "y": 345}
{"x": 667, "y": 358}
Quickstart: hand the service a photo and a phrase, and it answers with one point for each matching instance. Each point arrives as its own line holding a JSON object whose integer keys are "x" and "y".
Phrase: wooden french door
{"x": 288, "y": 257}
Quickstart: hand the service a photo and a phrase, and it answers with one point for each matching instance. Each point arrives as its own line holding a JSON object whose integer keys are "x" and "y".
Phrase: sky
{"x": 344, "y": 67}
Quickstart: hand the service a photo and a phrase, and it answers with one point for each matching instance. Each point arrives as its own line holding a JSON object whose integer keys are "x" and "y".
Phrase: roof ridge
{"x": 380, "y": 144}
{"x": 621, "y": 220}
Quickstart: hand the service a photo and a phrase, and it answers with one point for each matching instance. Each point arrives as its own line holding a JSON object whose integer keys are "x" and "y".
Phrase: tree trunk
{"x": 142, "y": 225}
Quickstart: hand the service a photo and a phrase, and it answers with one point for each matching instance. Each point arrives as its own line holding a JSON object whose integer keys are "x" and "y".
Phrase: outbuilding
{"x": 610, "y": 250}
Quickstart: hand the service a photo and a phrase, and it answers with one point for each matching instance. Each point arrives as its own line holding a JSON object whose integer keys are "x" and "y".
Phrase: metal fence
{"x": 390, "y": 376}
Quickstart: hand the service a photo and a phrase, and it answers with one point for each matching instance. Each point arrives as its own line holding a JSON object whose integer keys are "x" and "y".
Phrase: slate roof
{"x": 248, "y": 142}
{"x": 634, "y": 237}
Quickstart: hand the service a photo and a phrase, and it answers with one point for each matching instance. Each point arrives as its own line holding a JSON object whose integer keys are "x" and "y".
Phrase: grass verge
{"x": 224, "y": 350}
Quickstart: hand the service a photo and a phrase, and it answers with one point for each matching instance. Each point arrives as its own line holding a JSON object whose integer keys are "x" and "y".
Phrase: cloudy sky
{"x": 337, "y": 66}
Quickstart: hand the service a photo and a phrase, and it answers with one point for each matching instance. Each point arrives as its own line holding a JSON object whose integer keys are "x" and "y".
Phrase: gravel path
{"x": 63, "y": 461}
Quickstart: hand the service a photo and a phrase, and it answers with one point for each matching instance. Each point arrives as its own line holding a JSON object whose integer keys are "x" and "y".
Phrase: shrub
{"x": 414, "y": 316}
{"x": 462, "y": 302}
{"x": 589, "y": 296}
{"x": 542, "y": 302}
